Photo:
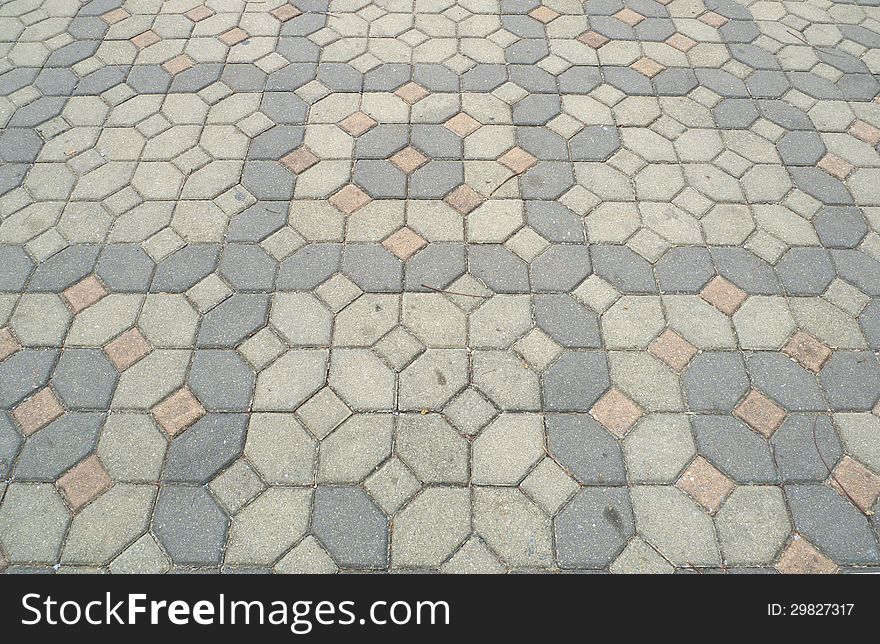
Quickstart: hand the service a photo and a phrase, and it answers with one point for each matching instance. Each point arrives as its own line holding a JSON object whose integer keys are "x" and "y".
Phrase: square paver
{"x": 84, "y": 482}
{"x": 38, "y": 411}
{"x": 177, "y": 412}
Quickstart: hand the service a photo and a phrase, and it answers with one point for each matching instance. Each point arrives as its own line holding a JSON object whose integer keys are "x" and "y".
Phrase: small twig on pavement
{"x": 447, "y": 292}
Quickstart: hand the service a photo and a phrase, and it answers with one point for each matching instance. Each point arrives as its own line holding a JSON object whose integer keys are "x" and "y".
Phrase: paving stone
{"x": 432, "y": 379}
{"x": 832, "y": 523}
{"x": 623, "y": 269}
{"x": 507, "y": 449}
{"x": 575, "y": 381}
{"x": 792, "y": 387}
{"x": 351, "y": 527}
{"x": 498, "y": 322}
{"x": 109, "y": 524}
{"x": 233, "y": 320}
{"x": 801, "y": 557}
{"x": 593, "y": 528}
{"x": 59, "y": 446}
{"x": 392, "y": 485}
{"x": 132, "y": 447}
{"x": 859, "y": 484}
{"x": 268, "y": 526}
{"x": 639, "y": 558}
{"x": 355, "y": 448}
{"x": 84, "y": 379}
{"x": 280, "y": 449}
{"x": 362, "y": 380}
{"x": 205, "y": 448}
{"x": 307, "y": 557}
{"x": 436, "y": 453}
{"x": 38, "y": 411}
{"x": 801, "y": 444}
{"x": 705, "y": 484}
{"x": 851, "y": 380}
{"x": 737, "y": 451}
{"x": 805, "y": 271}
{"x": 856, "y": 432}
{"x": 317, "y": 254}
{"x": 190, "y": 525}
{"x": 760, "y": 413}
{"x": 809, "y": 352}
{"x": 474, "y": 557}
{"x": 144, "y": 556}
{"x": 513, "y": 527}
{"x": 236, "y": 486}
{"x": 469, "y": 412}
{"x": 33, "y": 523}
{"x": 632, "y": 322}
{"x": 430, "y": 528}
{"x": 10, "y": 443}
{"x": 549, "y": 486}
{"x": 675, "y": 525}
{"x": 658, "y": 448}
{"x": 308, "y": 365}
{"x": 616, "y": 412}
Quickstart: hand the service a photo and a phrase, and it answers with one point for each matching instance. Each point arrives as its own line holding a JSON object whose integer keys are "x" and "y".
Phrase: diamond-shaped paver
{"x": 8, "y": 344}
{"x": 857, "y": 482}
{"x": 323, "y": 412}
{"x": 127, "y": 349}
{"x": 706, "y": 484}
{"x": 177, "y": 64}
{"x": 285, "y": 12}
{"x": 84, "y": 482}
{"x": 544, "y": 14}
{"x": 517, "y": 160}
{"x": 145, "y": 39}
{"x": 178, "y": 411}
{"x": 628, "y": 16}
{"x": 616, "y": 412}
{"x": 865, "y": 131}
{"x": 713, "y": 19}
{"x": 84, "y": 294}
{"x": 672, "y": 349}
{"x": 809, "y": 352}
{"x": 409, "y": 159}
{"x": 463, "y": 124}
{"x": 760, "y": 413}
{"x": 350, "y": 199}
{"x": 357, "y": 123}
{"x": 801, "y": 557}
{"x": 405, "y": 243}
{"x": 681, "y": 42}
{"x": 38, "y": 411}
{"x": 114, "y": 16}
{"x": 299, "y": 160}
{"x": 836, "y": 166}
{"x": 233, "y": 36}
{"x": 723, "y": 295}
{"x": 197, "y": 14}
{"x": 411, "y": 93}
{"x": 464, "y": 199}
{"x": 647, "y": 66}
{"x": 593, "y": 39}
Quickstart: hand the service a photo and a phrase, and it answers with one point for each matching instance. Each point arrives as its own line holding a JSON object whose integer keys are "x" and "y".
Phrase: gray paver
{"x": 351, "y": 527}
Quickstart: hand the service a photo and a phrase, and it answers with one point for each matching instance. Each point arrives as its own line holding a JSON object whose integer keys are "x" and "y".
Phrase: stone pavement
{"x": 455, "y": 285}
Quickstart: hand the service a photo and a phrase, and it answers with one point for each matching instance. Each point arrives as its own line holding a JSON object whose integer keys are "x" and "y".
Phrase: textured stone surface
{"x": 464, "y": 287}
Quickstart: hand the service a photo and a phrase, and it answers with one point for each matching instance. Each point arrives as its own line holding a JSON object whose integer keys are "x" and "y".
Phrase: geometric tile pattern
{"x": 462, "y": 286}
